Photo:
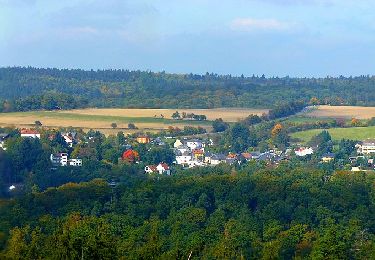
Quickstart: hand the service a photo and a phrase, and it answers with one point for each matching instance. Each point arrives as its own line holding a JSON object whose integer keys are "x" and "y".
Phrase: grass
{"x": 353, "y": 133}
{"x": 306, "y": 119}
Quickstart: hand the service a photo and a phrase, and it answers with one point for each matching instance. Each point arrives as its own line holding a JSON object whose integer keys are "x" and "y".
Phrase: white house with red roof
{"x": 150, "y": 169}
{"x": 161, "y": 168}
{"x": 303, "y": 151}
{"x": 31, "y": 133}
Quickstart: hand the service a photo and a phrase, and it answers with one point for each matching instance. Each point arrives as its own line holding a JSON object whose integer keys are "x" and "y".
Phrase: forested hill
{"x": 33, "y": 88}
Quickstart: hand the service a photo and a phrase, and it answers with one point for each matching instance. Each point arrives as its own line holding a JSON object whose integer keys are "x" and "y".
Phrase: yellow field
{"x": 227, "y": 114}
{"x": 101, "y": 119}
{"x": 343, "y": 112}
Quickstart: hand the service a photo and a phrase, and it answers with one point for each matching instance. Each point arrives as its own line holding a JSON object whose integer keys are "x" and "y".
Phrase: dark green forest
{"x": 33, "y": 88}
{"x": 207, "y": 213}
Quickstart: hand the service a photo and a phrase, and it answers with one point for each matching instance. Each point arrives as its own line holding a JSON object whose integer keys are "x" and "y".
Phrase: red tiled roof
{"x": 29, "y": 132}
{"x": 246, "y": 155}
{"x": 68, "y": 137}
{"x": 152, "y": 167}
{"x": 165, "y": 166}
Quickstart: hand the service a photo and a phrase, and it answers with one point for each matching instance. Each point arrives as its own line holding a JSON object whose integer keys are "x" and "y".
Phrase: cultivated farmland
{"x": 341, "y": 112}
{"x": 101, "y": 119}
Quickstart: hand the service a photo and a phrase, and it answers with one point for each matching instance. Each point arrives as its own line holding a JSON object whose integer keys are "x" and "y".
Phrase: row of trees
{"x": 190, "y": 116}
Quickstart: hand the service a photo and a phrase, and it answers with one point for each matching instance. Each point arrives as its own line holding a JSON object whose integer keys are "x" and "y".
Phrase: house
{"x": 183, "y": 149}
{"x": 231, "y": 160}
{"x": 177, "y": 143}
{"x": 30, "y": 133}
{"x": 255, "y": 155}
{"x": 367, "y": 147}
{"x": 195, "y": 163}
{"x": 68, "y": 140}
{"x": 161, "y": 168}
{"x": 157, "y": 141}
{"x": 328, "y": 157}
{"x": 246, "y": 156}
{"x": 356, "y": 169}
{"x": 75, "y": 162}
{"x": 194, "y": 144}
{"x": 3, "y": 137}
{"x": 59, "y": 159}
{"x": 183, "y": 158}
{"x": 150, "y": 169}
{"x": 303, "y": 151}
{"x": 198, "y": 154}
{"x": 130, "y": 156}
{"x": 207, "y": 157}
{"x": 143, "y": 139}
{"x": 217, "y": 159}
{"x": 267, "y": 156}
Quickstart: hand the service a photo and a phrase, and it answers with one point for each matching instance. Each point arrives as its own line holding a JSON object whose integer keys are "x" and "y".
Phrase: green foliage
{"x": 219, "y": 125}
{"x": 323, "y": 142}
{"x": 239, "y": 138}
{"x": 266, "y": 214}
{"x": 157, "y": 155}
{"x": 252, "y": 120}
{"x": 24, "y": 89}
{"x": 371, "y": 122}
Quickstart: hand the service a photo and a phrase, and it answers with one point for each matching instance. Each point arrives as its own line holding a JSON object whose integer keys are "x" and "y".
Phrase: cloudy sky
{"x": 274, "y": 37}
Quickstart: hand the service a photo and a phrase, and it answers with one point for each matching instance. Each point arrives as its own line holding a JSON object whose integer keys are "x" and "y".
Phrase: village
{"x": 194, "y": 152}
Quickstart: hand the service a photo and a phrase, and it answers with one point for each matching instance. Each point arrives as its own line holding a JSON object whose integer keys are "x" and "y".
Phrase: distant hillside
{"x": 31, "y": 88}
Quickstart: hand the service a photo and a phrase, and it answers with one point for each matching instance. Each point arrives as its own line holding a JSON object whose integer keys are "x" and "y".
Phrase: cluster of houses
{"x": 61, "y": 159}
{"x": 192, "y": 153}
{"x": 58, "y": 159}
{"x": 365, "y": 153}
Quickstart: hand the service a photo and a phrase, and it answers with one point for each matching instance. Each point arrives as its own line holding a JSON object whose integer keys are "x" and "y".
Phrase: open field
{"x": 346, "y": 112}
{"x": 354, "y": 133}
{"x": 304, "y": 119}
{"x": 101, "y": 119}
{"x": 227, "y": 114}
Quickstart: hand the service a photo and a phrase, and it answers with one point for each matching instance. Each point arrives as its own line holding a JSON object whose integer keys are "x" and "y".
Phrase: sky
{"x": 300, "y": 38}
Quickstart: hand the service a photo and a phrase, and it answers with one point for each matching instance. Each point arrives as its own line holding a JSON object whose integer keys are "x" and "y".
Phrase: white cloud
{"x": 251, "y": 24}
{"x": 77, "y": 31}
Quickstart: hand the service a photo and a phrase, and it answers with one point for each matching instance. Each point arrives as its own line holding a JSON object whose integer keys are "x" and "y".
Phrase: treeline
{"x": 287, "y": 109}
{"x": 206, "y": 213}
{"x": 144, "y": 89}
{"x": 47, "y": 101}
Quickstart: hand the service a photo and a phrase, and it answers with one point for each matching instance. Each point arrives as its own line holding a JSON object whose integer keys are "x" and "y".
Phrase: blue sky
{"x": 271, "y": 37}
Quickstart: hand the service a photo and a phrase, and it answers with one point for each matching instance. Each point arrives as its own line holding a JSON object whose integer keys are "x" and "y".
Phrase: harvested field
{"x": 227, "y": 114}
{"x": 101, "y": 119}
{"x": 342, "y": 112}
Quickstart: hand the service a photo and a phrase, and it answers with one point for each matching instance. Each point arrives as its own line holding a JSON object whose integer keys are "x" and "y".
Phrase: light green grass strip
{"x": 353, "y": 133}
